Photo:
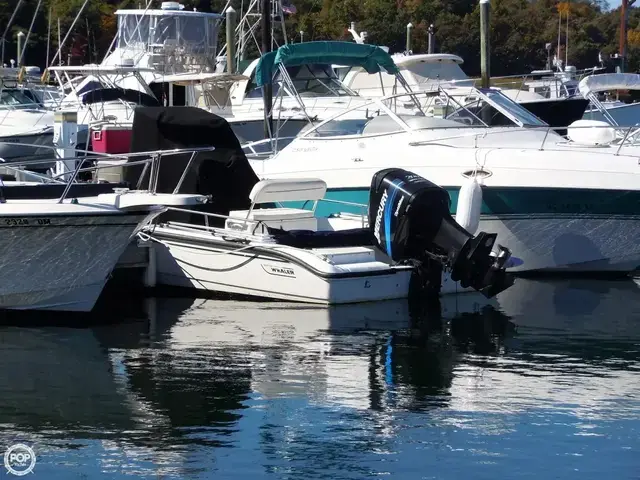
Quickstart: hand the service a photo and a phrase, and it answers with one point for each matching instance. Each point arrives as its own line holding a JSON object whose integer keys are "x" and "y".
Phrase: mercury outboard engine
{"x": 410, "y": 219}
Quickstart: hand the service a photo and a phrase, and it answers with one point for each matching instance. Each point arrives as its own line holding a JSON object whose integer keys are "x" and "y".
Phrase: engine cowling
{"x": 410, "y": 220}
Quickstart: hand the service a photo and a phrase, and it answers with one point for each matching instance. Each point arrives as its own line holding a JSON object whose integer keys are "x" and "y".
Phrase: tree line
{"x": 520, "y": 29}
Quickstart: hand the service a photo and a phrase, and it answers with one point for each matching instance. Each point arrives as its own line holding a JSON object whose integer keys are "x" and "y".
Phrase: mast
{"x": 267, "y": 92}
{"x": 566, "y": 43}
{"x": 558, "y": 59}
{"x": 48, "y": 37}
{"x": 622, "y": 47}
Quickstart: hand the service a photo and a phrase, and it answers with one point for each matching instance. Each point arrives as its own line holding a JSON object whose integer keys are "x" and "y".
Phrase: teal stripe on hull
{"x": 510, "y": 201}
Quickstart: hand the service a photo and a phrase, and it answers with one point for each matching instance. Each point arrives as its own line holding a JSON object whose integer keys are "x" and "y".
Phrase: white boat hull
{"x": 29, "y": 146}
{"x": 187, "y": 264}
{"x": 183, "y": 265}
{"x": 61, "y": 262}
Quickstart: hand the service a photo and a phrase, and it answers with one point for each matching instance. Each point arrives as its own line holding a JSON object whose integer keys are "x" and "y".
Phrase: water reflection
{"x": 206, "y": 388}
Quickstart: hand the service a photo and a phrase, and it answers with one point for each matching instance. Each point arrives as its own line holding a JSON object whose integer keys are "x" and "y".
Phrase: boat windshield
{"x": 493, "y": 108}
{"x": 468, "y": 108}
{"x": 514, "y": 111}
{"x": 12, "y": 98}
{"x": 316, "y": 80}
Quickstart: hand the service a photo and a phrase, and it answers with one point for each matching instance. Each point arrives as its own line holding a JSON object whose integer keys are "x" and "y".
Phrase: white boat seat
{"x": 260, "y": 218}
{"x": 288, "y": 190}
{"x": 275, "y": 191}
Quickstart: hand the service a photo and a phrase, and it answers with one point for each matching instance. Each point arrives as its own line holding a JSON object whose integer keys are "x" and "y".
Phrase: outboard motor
{"x": 410, "y": 219}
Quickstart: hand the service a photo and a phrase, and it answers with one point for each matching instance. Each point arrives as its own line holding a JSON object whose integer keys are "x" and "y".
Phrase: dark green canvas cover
{"x": 370, "y": 57}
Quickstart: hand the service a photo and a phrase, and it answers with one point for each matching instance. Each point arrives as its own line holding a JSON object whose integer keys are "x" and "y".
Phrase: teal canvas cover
{"x": 370, "y": 57}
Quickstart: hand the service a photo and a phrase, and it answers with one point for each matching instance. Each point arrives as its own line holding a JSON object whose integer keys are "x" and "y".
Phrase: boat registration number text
{"x": 17, "y": 222}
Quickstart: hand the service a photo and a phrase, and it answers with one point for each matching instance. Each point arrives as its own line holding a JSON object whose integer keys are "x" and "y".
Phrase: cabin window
{"x": 545, "y": 91}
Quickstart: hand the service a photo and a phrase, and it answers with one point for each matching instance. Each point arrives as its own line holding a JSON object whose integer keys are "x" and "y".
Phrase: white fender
{"x": 469, "y": 205}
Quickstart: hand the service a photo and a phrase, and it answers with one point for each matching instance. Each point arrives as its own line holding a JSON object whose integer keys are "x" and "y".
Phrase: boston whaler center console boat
{"x": 234, "y": 244}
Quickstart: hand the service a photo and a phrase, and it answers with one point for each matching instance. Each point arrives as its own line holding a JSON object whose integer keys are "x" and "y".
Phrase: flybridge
{"x": 176, "y": 40}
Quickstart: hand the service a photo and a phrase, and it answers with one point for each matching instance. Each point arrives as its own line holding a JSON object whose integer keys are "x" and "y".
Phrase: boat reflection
{"x": 170, "y": 394}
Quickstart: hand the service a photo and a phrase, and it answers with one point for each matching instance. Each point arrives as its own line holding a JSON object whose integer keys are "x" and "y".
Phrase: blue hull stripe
{"x": 512, "y": 201}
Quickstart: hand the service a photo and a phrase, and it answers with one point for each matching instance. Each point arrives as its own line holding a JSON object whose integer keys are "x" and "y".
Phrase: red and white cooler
{"x": 111, "y": 138}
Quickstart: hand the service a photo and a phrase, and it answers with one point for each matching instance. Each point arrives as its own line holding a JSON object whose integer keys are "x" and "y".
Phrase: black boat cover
{"x": 307, "y": 239}
{"x": 224, "y": 173}
{"x": 100, "y": 95}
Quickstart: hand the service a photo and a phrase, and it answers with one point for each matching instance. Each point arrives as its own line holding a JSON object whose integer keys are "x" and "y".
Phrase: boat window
{"x": 341, "y": 126}
{"x": 474, "y": 113}
{"x": 193, "y": 34}
{"x": 11, "y": 98}
{"x": 544, "y": 90}
{"x": 47, "y": 94}
{"x": 34, "y": 99}
{"x": 510, "y": 109}
{"x": 318, "y": 80}
{"x": 427, "y": 71}
{"x": 253, "y": 91}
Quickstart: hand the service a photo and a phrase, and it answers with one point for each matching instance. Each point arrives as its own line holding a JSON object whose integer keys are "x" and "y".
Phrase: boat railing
{"x": 149, "y": 160}
{"x": 555, "y": 82}
{"x": 624, "y": 136}
{"x": 208, "y": 228}
{"x": 263, "y": 149}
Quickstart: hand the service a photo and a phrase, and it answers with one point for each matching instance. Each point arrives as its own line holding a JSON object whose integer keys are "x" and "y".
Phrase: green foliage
{"x": 519, "y": 28}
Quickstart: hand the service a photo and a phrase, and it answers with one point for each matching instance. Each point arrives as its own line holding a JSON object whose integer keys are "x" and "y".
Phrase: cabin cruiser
{"x": 243, "y": 243}
{"x": 433, "y": 71}
{"x": 61, "y": 240}
{"x": 562, "y": 205}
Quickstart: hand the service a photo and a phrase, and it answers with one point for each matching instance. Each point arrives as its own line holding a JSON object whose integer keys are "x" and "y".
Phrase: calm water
{"x": 543, "y": 382}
